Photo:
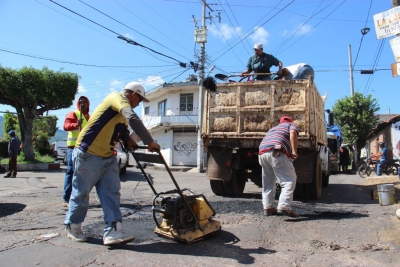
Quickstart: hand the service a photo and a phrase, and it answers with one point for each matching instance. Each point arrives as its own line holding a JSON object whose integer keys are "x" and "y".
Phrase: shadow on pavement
{"x": 221, "y": 245}
{"x": 7, "y": 209}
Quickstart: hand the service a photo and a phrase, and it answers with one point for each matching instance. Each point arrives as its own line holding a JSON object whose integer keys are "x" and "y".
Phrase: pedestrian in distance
{"x": 96, "y": 166}
{"x": 384, "y": 158}
{"x": 276, "y": 152}
{"x": 73, "y": 124}
{"x": 262, "y": 62}
{"x": 14, "y": 148}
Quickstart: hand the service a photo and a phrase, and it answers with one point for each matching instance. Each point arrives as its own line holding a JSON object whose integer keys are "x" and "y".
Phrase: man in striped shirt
{"x": 276, "y": 152}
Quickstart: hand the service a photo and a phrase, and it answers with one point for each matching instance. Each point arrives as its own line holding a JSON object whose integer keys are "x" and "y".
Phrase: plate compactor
{"x": 180, "y": 214}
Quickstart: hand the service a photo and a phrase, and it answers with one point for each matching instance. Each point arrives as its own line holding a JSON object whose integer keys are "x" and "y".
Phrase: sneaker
{"x": 271, "y": 211}
{"x": 117, "y": 236}
{"x": 74, "y": 232}
{"x": 289, "y": 213}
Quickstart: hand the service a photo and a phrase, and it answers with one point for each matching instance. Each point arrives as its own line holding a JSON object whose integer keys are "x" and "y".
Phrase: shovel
{"x": 224, "y": 77}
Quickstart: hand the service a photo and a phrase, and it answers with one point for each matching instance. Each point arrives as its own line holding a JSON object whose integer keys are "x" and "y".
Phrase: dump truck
{"x": 237, "y": 115}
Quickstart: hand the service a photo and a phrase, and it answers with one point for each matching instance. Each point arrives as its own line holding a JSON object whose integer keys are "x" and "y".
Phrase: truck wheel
{"x": 235, "y": 186}
{"x": 314, "y": 190}
{"x": 325, "y": 180}
{"x": 217, "y": 187}
{"x": 256, "y": 176}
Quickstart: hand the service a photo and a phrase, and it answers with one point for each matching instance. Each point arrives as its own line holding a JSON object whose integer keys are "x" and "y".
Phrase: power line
{"x": 129, "y": 41}
{"x": 363, "y": 34}
{"x": 130, "y": 28}
{"x": 79, "y": 64}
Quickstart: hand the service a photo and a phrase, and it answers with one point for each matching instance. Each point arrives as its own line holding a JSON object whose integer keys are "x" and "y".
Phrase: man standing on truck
{"x": 73, "y": 124}
{"x": 261, "y": 62}
{"x": 276, "y": 152}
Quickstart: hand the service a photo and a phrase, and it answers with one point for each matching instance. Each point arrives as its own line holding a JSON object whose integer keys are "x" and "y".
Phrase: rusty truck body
{"x": 238, "y": 115}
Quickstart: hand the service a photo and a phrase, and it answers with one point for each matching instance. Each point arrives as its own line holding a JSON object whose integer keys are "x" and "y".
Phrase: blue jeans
{"x": 68, "y": 176}
{"x": 303, "y": 73}
{"x": 379, "y": 166}
{"x": 103, "y": 173}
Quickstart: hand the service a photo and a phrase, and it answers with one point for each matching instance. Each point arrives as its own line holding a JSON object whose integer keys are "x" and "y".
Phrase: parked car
{"x": 122, "y": 157}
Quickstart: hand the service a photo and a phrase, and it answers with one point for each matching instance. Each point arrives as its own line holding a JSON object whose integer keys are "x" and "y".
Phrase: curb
{"x": 36, "y": 166}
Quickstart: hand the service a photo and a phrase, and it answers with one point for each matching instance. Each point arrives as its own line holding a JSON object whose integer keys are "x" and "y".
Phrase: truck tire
{"x": 235, "y": 186}
{"x": 217, "y": 187}
{"x": 256, "y": 176}
{"x": 325, "y": 180}
{"x": 314, "y": 190}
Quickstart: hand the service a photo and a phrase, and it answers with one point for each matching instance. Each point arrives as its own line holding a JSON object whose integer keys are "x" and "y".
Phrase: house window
{"x": 186, "y": 104}
{"x": 161, "y": 108}
{"x": 146, "y": 110}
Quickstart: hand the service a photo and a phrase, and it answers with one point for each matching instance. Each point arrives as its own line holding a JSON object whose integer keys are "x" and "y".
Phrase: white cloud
{"x": 151, "y": 81}
{"x": 224, "y": 31}
{"x": 128, "y": 35}
{"x": 260, "y": 36}
{"x": 81, "y": 89}
{"x": 302, "y": 29}
{"x": 116, "y": 85}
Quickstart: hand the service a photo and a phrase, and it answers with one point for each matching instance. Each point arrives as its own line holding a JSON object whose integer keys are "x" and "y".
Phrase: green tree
{"x": 32, "y": 92}
{"x": 356, "y": 118}
{"x": 43, "y": 129}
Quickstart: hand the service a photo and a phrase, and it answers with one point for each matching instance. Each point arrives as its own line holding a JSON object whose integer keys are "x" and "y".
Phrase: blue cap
{"x": 12, "y": 132}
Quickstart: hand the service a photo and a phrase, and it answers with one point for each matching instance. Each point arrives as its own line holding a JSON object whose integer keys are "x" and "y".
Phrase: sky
{"x": 83, "y": 38}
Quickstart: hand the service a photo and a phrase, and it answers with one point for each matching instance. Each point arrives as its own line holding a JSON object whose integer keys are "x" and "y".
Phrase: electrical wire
{"x": 362, "y": 37}
{"x": 129, "y": 41}
{"x": 130, "y": 28}
{"x": 78, "y": 64}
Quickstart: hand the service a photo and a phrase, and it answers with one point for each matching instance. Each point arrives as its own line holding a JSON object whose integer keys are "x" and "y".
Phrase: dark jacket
{"x": 14, "y": 147}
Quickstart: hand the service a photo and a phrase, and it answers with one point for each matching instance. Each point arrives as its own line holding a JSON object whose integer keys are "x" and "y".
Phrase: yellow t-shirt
{"x": 105, "y": 126}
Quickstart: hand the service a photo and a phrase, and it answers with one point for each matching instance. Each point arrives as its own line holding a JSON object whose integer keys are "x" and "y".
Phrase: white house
{"x": 172, "y": 119}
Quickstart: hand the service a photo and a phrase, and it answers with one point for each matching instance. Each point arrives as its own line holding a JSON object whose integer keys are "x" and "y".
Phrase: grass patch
{"x": 38, "y": 159}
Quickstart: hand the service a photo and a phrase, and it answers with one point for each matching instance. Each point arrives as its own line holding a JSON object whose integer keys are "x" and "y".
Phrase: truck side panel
{"x": 239, "y": 114}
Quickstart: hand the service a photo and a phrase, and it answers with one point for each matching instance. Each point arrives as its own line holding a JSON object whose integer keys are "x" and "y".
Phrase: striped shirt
{"x": 278, "y": 135}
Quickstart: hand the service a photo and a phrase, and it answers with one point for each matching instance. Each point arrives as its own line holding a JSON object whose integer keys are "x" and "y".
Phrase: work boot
{"x": 74, "y": 232}
{"x": 270, "y": 211}
{"x": 289, "y": 213}
{"x": 117, "y": 236}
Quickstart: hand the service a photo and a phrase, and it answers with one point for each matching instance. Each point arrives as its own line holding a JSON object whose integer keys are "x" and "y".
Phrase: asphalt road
{"x": 344, "y": 228}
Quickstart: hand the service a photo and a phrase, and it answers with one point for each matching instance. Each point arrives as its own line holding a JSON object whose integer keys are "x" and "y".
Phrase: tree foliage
{"x": 32, "y": 92}
{"x": 43, "y": 129}
{"x": 356, "y": 118}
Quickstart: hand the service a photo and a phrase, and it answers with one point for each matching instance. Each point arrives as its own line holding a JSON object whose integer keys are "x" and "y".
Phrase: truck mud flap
{"x": 218, "y": 163}
{"x": 304, "y": 167}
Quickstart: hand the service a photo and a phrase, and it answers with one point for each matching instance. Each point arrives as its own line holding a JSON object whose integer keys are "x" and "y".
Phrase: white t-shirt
{"x": 293, "y": 70}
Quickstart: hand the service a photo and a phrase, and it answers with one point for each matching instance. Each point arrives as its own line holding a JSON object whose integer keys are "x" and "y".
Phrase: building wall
{"x": 395, "y": 129}
{"x": 164, "y": 139}
{"x": 184, "y": 150}
{"x": 383, "y": 136}
{"x": 172, "y": 104}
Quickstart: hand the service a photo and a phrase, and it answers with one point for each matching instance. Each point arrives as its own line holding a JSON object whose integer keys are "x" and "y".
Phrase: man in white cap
{"x": 95, "y": 164}
{"x": 261, "y": 62}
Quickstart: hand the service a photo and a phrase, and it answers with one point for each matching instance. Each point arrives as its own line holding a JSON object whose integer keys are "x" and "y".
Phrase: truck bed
{"x": 240, "y": 114}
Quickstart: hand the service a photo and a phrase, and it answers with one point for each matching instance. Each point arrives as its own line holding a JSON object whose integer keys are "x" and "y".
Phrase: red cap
{"x": 285, "y": 119}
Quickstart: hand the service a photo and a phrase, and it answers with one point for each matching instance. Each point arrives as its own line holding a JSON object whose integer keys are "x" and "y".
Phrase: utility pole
{"x": 351, "y": 72}
{"x": 201, "y": 37}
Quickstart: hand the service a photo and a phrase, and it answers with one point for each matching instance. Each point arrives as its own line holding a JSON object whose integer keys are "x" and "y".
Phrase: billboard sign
{"x": 395, "y": 44}
{"x": 387, "y": 23}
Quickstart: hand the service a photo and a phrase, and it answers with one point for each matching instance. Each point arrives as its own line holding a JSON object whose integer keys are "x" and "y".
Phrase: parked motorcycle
{"x": 390, "y": 167}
